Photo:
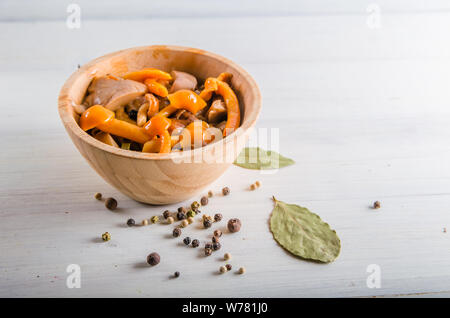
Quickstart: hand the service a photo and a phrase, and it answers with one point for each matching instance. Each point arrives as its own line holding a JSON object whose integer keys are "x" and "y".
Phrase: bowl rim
{"x": 66, "y": 114}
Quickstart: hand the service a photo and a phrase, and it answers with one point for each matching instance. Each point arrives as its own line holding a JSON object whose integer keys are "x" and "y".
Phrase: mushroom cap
{"x": 94, "y": 116}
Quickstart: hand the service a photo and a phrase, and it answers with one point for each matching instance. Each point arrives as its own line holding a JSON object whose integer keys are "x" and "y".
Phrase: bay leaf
{"x": 260, "y": 159}
{"x": 303, "y": 233}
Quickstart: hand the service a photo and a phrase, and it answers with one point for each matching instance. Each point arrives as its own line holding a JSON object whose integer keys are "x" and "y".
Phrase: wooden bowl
{"x": 160, "y": 178}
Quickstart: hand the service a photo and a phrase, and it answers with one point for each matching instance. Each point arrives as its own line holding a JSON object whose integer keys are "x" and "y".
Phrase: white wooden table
{"x": 363, "y": 110}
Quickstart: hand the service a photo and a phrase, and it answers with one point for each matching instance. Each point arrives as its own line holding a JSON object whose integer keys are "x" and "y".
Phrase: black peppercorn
{"x": 111, "y": 203}
{"x": 208, "y": 251}
{"x": 216, "y": 246}
{"x": 204, "y": 200}
{"x": 181, "y": 216}
{"x": 176, "y": 232}
{"x": 229, "y": 267}
{"x": 166, "y": 214}
{"x": 215, "y": 239}
{"x": 208, "y": 245}
{"x": 153, "y": 259}
{"x": 182, "y": 209}
{"x": 218, "y": 233}
{"x": 131, "y": 222}
{"x": 218, "y": 217}
{"x": 226, "y": 191}
{"x": 234, "y": 225}
{"x": 133, "y": 114}
{"x": 176, "y": 274}
{"x": 207, "y": 223}
{"x": 187, "y": 240}
{"x": 195, "y": 243}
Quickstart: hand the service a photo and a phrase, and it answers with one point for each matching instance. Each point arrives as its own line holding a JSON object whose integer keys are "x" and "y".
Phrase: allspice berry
{"x": 226, "y": 191}
{"x": 166, "y": 214}
{"x": 131, "y": 222}
{"x": 204, "y": 200}
{"x": 111, "y": 203}
{"x": 153, "y": 259}
{"x": 234, "y": 225}
{"x": 218, "y": 217}
{"x": 376, "y": 205}
{"x": 98, "y": 196}
{"x": 176, "y": 232}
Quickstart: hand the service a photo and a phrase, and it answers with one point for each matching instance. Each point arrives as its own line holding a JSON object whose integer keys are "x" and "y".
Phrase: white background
{"x": 364, "y": 111}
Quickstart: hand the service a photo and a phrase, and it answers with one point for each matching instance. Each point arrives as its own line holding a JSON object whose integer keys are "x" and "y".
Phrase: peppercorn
{"x": 182, "y": 209}
{"x": 207, "y": 223}
{"x": 187, "y": 240}
{"x": 227, "y": 256}
{"x": 190, "y": 220}
{"x": 226, "y": 191}
{"x": 166, "y": 214}
{"x": 131, "y": 222}
{"x": 133, "y": 114}
{"x": 208, "y": 245}
{"x": 218, "y": 217}
{"x": 234, "y": 225}
{"x": 204, "y": 200}
{"x": 154, "y": 219}
{"x": 176, "y": 232}
{"x": 195, "y": 243}
{"x": 144, "y": 222}
{"x": 181, "y": 216}
{"x": 376, "y": 205}
{"x": 190, "y": 214}
{"x": 153, "y": 259}
{"x": 106, "y": 236}
{"x": 216, "y": 246}
{"x": 210, "y": 193}
{"x": 111, "y": 203}
{"x": 257, "y": 184}
{"x": 184, "y": 223}
{"x": 229, "y": 267}
{"x": 218, "y": 233}
{"x": 242, "y": 270}
{"x": 253, "y": 187}
{"x": 215, "y": 239}
{"x": 223, "y": 269}
{"x": 98, "y": 196}
{"x": 208, "y": 251}
{"x": 195, "y": 205}
{"x": 170, "y": 220}
{"x": 176, "y": 274}
{"x": 206, "y": 216}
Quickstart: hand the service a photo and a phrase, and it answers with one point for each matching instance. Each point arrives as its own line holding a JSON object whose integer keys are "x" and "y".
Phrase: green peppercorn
{"x": 191, "y": 214}
{"x": 181, "y": 216}
{"x": 216, "y": 246}
{"x": 166, "y": 214}
{"x": 218, "y": 217}
{"x": 176, "y": 232}
{"x": 131, "y": 222}
{"x": 195, "y": 243}
{"x": 154, "y": 219}
{"x": 111, "y": 203}
{"x": 187, "y": 240}
{"x": 204, "y": 200}
{"x": 98, "y": 196}
{"x": 106, "y": 236}
{"x": 208, "y": 251}
{"x": 195, "y": 205}
{"x": 207, "y": 223}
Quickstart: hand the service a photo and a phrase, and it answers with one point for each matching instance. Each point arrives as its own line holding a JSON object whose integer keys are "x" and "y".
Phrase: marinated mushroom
{"x": 217, "y": 112}
{"x": 182, "y": 80}
{"x": 113, "y": 93}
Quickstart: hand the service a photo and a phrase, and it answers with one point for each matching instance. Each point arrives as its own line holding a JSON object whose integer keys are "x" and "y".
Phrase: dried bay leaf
{"x": 260, "y": 159}
{"x": 303, "y": 233}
